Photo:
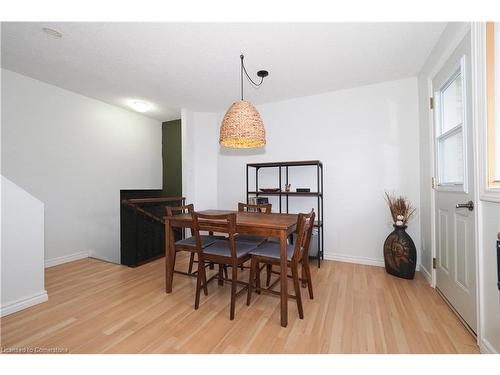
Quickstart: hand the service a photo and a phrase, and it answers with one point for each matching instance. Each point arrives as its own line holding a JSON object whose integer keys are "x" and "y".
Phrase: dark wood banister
{"x": 133, "y": 203}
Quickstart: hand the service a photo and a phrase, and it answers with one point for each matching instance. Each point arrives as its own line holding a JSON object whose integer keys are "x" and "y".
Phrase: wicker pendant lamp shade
{"x": 242, "y": 126}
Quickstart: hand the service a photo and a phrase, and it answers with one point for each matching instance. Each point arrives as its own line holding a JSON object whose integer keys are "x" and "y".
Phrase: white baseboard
{"x": 355, "y": 259}
{"x": 24, "y": 303}
{"x": 358, "y": 260}
{"x": 94, "y": 255}
{"x": 427, "y": 276}
{"x": 486, "y": 348}
{"x": 66, "y": 258}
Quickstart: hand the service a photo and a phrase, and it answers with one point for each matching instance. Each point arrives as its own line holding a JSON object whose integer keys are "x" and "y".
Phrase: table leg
{"x": 169, "y": 256}
{"x": 284, "y": 279}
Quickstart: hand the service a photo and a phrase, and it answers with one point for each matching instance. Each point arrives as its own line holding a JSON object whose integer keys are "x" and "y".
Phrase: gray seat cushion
{"x": 222, "y": 248}
{"x": 272, "y": 250}
{"x": 250, "y": 239}
{"x": 205, "y": 241}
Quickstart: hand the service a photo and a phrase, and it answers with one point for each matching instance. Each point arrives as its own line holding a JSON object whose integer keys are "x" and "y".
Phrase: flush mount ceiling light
{"x": 52, "y": 32}
{"x": 140, "y": 106}
{"x": 242, "y": 126}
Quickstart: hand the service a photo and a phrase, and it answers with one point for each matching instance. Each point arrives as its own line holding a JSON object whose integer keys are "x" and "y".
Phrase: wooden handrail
{"x": 153, "y": 200}
{"x": 133, "y": 203}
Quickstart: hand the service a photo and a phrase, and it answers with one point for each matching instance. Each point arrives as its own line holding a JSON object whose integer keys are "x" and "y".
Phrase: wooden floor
{"x": 99, "y": 307}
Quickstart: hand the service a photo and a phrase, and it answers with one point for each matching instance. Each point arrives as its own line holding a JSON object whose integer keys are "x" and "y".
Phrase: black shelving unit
{"x": 318, "y": 194}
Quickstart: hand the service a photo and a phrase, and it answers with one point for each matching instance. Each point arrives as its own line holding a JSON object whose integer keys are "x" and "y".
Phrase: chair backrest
{"x": 264, "y": 208}
{"x": 221, "y": 223}
{"x": 178, "y": 210}
{"x": 305, "y": 225}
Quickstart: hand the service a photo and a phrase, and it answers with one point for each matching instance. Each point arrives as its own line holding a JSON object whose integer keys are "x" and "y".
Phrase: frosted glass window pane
{"x": 451, "y": 155}
{"x": 452, "y": 105}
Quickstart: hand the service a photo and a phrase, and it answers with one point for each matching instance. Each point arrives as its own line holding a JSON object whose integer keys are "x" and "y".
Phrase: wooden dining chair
{"x": 269, "y": 253}
{"x": 263, "y": 208}
{"x": 260, "y": 208}
{"x": 189, "y": 244}
{"x": 225, "y": 252}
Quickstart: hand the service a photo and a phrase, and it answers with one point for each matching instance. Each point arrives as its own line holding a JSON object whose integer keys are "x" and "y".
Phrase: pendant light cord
{"x": 243, "y": 69}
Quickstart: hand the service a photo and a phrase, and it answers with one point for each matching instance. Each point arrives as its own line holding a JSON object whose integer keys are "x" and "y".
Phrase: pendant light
{"x": 242, "y": 126}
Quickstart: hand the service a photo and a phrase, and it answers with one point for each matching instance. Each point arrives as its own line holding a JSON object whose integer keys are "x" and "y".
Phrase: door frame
{"x": 476, "y": 86}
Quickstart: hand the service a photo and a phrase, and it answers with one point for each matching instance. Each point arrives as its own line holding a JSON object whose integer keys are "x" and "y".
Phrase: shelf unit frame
{"x": 318, "y": 193}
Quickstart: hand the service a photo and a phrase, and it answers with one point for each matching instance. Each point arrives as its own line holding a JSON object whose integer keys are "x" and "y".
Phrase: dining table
{"x": 254, "y": 223}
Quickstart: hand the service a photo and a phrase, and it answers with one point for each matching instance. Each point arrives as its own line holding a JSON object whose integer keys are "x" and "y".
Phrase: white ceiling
{"x": 196, "y": 65}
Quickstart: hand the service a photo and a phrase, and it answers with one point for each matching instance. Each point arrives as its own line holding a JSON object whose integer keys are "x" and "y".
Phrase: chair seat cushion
{"x": 272, "y": 250}
{"x": 205, "y": 241}
{"x": 250, "y": 239}
{"x": 222, "y": 248}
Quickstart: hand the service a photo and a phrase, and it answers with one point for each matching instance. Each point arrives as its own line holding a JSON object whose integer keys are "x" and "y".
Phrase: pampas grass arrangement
{"x": 401, "y": 209}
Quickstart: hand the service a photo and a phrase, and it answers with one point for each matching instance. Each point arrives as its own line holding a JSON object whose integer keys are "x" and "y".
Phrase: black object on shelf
{"x": 300, "y": 192}
{"x": 498, "y": 261}
{"x": 142, "y": 227}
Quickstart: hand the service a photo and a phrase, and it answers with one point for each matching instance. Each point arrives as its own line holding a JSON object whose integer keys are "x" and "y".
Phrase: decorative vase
{"x": 400, "y": 254}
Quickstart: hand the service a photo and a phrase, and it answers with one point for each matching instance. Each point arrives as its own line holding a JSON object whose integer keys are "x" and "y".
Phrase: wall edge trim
{"x": 24, "y": 303}
{"x": 66, "y": 259}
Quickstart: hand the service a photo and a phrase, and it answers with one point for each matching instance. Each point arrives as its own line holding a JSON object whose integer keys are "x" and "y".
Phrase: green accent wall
{"x": 172, "y": 158}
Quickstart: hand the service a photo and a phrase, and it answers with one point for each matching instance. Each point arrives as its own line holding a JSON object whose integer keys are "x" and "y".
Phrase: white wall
{"x": 199, "y": 158}
{"x": 367, "y": 138}
{"x": 22, "y": 254}
{"x": 450, "y": 38}
{"x": 75, "y": 154}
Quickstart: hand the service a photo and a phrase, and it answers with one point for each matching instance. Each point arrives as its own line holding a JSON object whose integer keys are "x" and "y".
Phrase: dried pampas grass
{"x": 401, "y": 208}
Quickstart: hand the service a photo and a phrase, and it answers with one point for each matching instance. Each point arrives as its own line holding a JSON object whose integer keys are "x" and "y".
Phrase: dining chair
{"x": 260, "y": 208}
{"x": 269, "y": 253}
{"x": 264, "y": 208}
{"x": 189, "y": 244}
{"x": 224, "y": 252}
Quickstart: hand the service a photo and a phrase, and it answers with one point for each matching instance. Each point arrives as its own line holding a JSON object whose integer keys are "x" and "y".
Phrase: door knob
{"x": 469, "y": 205}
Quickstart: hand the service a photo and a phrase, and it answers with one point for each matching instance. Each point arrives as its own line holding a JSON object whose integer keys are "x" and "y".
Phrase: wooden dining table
{"x": 256, "y": 223}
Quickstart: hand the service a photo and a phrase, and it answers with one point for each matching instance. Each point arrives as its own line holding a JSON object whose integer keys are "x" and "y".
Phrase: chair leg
{"x": 233, "y": 290}
{"x": 191, "y": 261}
{"x": 225, "y": 272}
{"x": 296, "y": 285}
{"x": 309, "y": 279}
{"x": 175, "y": 256}
{"x": 257, "y": 277}
{"x": 221, "y": 276}
{"x": 269, "y": 270}
{"x": 251, "y": 280}
{"x": 199, "y": 278}
{"x": 303, "y": 274}
{"x": 204, "y": 274}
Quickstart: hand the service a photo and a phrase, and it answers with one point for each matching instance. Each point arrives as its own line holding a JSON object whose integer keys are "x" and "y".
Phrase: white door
{"x": 454, "y": 189}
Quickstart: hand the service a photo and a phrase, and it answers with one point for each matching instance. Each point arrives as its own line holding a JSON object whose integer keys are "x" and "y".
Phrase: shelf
{"x": 286, "y": 164}
{"x": 304, "y": 194}
{"x": 284, "y": 167}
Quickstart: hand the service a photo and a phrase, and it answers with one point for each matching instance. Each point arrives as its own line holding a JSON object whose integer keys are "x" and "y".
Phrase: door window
{"x": 450, "y": 132}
